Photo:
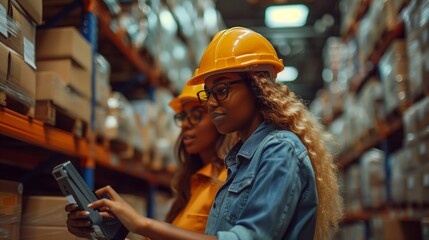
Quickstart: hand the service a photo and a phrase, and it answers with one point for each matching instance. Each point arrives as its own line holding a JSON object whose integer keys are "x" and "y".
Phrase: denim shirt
{"x": 270, "y": 192}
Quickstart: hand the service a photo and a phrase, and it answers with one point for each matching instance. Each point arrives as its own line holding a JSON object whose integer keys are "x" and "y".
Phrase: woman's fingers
{"x": 78, "y": 215}
{"x": 103, "y": 203}
{"x": 71, "y": 207}
{"x": 109, "y": 191}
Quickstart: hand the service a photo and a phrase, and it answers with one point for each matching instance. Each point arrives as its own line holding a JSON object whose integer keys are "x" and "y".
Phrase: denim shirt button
{"x": 214, "y": 205}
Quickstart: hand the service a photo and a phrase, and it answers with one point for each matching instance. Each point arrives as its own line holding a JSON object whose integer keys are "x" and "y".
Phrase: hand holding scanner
{"x": 72, "y": 184}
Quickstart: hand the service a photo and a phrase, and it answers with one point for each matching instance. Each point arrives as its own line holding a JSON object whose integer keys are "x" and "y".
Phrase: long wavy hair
{"x": 188, "y": 164}
{"x": 282, "y": 108}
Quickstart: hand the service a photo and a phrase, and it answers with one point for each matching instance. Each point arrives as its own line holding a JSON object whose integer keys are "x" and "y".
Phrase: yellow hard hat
{"x": 189, "y": 93}
{"x": 237, "y": 49}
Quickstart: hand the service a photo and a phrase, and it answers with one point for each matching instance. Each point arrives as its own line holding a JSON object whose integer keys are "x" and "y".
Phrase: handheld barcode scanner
{"x": 72, "y": 184}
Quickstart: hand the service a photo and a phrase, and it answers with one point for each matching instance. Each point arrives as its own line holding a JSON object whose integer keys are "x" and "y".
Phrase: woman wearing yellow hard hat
{"x": 282, "y": 181}
{"x": 200, "y": 173}
{"x": 200, "y": 150}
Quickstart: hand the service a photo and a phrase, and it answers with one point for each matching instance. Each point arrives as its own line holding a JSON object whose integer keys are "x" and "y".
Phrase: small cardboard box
{"x": 4, "y": 55}
{"x": 17, "y": 77}
{"x": 50, "y": 86}
{"x": 74, "y": 76}
{"x": 44, "y": 211}
{"x": 34, "y": 8}
{"x": 61, "y": 43}
{"x": 17, "y": 31}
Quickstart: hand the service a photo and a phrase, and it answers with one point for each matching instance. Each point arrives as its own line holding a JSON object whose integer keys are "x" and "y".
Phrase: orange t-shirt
{"x": 203, "y": 190}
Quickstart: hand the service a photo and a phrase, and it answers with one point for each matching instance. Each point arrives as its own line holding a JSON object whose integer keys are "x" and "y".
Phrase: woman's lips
{"x": 187, "y": 139}
{"x": 217, "y": 116}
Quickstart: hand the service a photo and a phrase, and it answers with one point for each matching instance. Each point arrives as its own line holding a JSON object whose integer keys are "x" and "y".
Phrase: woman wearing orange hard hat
{"x": 200, "y": 151}
{"x": 282, "y": 181}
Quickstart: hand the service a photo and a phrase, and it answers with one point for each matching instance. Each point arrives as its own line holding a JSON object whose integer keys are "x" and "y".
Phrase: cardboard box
{"x": 34, "y": 8}
{"x": 4, "y": 55}
{"x": 13, "y": 38}
{"x": 17, "y": 78}
{"x": 10, "y": 208}
{"x": 60, "y": 43}
{"x": 44, "y": 211}
{"x": 74, "y": 76}
{"x": 46, "y": 233}
{"x": 50, "y": 86}
{"x": 22, "y": 78}
{"x": 20, "y": 32}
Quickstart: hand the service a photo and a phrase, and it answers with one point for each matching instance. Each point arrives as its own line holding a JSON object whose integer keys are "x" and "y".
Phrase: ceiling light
{"x": 289, "y": 74}
{"x": 286, "y": 16}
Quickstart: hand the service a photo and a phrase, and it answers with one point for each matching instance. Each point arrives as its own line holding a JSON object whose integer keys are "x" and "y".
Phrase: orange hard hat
{"x": 189, "y": 93}
{"x": 237, "y": 49}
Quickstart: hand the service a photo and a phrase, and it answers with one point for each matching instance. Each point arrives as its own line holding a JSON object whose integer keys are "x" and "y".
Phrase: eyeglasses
{"x": 219, "y": 92}
{"x": 194, "y": 116}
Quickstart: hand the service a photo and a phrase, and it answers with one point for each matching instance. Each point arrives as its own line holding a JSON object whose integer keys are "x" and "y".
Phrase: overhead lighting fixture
{"x": 286, "y": 16}
{"x": 289, "y": 74}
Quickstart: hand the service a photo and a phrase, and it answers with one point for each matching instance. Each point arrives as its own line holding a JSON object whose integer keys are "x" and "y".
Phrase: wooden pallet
{"x": 13, "y": 103}
{"x": 49, "y": 113}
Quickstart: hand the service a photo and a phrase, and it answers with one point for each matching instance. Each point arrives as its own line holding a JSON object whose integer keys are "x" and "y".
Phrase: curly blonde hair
{"x": 282, "y": 108}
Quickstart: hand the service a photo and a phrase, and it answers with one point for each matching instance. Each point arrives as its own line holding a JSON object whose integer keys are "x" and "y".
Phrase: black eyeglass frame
{"x": 207, "y": 93}
{"x": 179, "y": 118}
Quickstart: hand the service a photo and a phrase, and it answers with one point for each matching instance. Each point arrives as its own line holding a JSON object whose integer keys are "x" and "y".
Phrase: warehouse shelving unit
{"x": 381, "y": 136}
{"x": 48, "y": 140}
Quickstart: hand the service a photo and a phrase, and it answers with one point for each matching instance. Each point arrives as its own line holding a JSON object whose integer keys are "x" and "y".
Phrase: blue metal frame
{"x": 90, "y": 32}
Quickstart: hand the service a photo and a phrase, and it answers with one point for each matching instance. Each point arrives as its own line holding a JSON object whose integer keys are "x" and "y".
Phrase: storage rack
{"x": 31, "y": 132}
{"x": 385, "y": 134}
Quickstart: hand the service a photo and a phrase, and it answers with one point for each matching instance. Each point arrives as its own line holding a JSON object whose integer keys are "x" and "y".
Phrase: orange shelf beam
{"x": 35, "y": 132}
{"x": 29, "y": 130}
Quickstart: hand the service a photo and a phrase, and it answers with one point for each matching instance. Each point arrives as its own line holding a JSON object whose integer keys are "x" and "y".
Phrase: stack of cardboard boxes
{"x": 64, "y": 61}
{"x": 18, "y": 19}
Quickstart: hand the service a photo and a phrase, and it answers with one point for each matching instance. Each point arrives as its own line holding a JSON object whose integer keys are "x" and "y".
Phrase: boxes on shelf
{"x": 102, "y": 80}
{"x": 385, "y": 228}
{"x": 17, "y": 78}
{"x": 417, "y": 31}
{"x": 398, "y": 183}
{"x": 121, "y": 126}
{"x": 393, "y": 68}
{"x": 373, "y": 178}
{"x": 44, "y": 211}
{"x": 34, "y": 8}
{"x": 10, "y": 208}
{"x": 414, "y": 186}
{"x": 64, "y": 43}
{"x": 425, "y": 184}
{"x": 415, "y": 69}
{"x": 352, "y": 197}
{"x": 73, "y": 75}
{"x": 50, "y": 86}
{"x": 17, "y": 31}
